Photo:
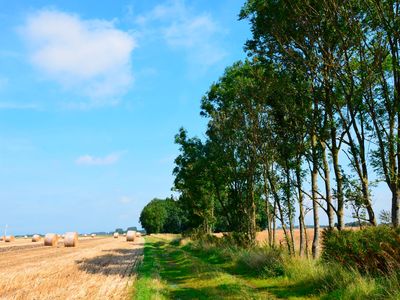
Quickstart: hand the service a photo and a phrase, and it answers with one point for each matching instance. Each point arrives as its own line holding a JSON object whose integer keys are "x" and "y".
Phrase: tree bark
{"x": 327, "y": 180}
{"x": 301, "y": 209}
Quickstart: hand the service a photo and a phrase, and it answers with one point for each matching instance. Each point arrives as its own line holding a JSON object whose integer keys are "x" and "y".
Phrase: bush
{"x": 373, "y": 250}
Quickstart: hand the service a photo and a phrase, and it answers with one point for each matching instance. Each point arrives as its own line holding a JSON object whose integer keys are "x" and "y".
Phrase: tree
{"x": 162, "y": 216}
{"x": 153, "y": 216}
{"x": 119, "y": 230}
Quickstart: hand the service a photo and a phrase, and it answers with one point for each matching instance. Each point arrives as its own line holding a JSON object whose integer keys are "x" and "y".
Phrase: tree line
{"x": 308, "y": 123}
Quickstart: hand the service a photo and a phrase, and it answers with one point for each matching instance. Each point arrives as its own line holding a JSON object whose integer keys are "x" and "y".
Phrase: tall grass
{"x": 328, "y": 279}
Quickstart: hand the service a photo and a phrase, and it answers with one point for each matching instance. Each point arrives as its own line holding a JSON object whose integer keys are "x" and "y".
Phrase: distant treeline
{"x": 309, "y": 122}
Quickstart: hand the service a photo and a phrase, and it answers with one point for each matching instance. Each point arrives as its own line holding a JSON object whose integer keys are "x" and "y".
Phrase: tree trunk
{"x": 274, "y": 225}
{"x": 329, "y": 206}
{"x": 301, "y": 209}
{"x": 290, "y": 210}
{"x": 279, "y": 207}
{"x": 395, "y": 206}
{"x": 314, "y": 184}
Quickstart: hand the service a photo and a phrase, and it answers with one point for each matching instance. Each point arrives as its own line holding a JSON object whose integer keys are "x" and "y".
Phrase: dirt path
{"x": 97, "y": 269}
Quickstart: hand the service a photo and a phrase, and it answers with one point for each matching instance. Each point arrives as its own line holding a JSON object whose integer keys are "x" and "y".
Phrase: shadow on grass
{"x": 186, "y": 277}
{"x": 289, "y": 291}
{"x": 118, "y": 263}
{"x": 277, "y": 286}
{"x": 222, "y": 291}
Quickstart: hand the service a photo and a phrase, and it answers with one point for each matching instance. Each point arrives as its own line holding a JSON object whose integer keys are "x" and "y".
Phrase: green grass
{"x": 172, "y": 272}
{"x": 206, "y": 271}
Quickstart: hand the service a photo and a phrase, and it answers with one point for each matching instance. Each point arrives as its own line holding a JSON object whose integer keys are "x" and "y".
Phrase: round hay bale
{"x": 124, "y": 234}
{"x": 138, "y": 234}
{"x": 50, "y": 239}
{"x": 71, "y": 239}
{"x": 85, "y": 235}
{"x": 2, "y": 238}
{"x": 25, "y": 237}
{"x": 9, "y": 238}
{"x": 93, "y": 235}
{"x": 36, "y": 238}
{"x": 130, "y": 236}
{"x": 116, "y": 235}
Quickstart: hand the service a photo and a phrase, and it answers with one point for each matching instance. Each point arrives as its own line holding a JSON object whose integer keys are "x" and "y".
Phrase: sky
{"x": 91, "y": 96}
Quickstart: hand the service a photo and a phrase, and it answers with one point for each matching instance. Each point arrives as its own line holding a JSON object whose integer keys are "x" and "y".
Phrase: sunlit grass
{"x": 171, "y": 271}
{"x": 181, "y": 275}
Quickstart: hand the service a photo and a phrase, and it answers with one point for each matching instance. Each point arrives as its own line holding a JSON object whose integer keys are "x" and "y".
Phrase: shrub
{"x": 373, "y": 250}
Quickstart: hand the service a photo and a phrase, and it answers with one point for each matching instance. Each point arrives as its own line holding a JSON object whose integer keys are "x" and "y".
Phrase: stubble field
{"x": 99, "y": 268}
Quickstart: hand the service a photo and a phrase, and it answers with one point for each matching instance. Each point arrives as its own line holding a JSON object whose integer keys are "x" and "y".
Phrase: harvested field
{"x": 262, "y": 236}
{"x": 99, "y": 268}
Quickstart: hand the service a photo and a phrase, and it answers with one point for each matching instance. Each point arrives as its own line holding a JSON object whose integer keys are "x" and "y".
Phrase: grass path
{"x": 172, "y": 272}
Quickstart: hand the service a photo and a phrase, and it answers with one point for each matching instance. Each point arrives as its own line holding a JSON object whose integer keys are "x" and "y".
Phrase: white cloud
{"x": 182, "y": 29}
{"x": 125, "y": 200}
{"x": 18, "y": 106}
{"x": 98, "y": 161}
{"x": 91, "y": 56}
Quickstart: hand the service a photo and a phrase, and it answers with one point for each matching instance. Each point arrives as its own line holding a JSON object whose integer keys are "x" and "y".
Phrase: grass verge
{"x": 171, "y": 271}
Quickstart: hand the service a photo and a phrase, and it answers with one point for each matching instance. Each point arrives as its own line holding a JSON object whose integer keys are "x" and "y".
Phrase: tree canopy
{"x": 299, "y": 126}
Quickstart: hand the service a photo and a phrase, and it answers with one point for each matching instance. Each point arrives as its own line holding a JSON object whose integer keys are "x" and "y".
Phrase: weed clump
{"x": 373, "y": 250}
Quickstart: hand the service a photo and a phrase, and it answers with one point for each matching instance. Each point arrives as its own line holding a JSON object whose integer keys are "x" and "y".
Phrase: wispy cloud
{"x": 91, "y": 57}
{"x": 182, "y": 29}
{"x": 125, "y": 200}
{"x": 18, "y": 106}
{"x": 98, "y": 161}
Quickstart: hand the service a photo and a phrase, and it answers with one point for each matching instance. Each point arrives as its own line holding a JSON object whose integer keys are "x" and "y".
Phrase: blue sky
{"x": 91, "y": 96}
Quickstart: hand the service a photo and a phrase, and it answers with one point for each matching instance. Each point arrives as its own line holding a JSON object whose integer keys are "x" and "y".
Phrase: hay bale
{"x": 9, "y": 238}
{"x": 124, "y": 234}
{"x": 85, "y": 235}
{"x": 93, "y": 235}
{"x": 130, "y": 236}
{"x": 25, "y": 237}
{"x": 36, "y": 238}
{"x": 138, "y": 234}
{"x": 71, "y": 239}
{"x": 116, "y": 235}
{"x": 2, "y": 238}
{"x": 50, "y": 239}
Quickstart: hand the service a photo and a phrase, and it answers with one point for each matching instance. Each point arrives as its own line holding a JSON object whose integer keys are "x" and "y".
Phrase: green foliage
{"x": 385, "y": 218}
{"x": 319, "y": 86}
{"x": 373, "y": 250}
{"x": 162, "y": 216}
{"x": 119, "y": 230}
